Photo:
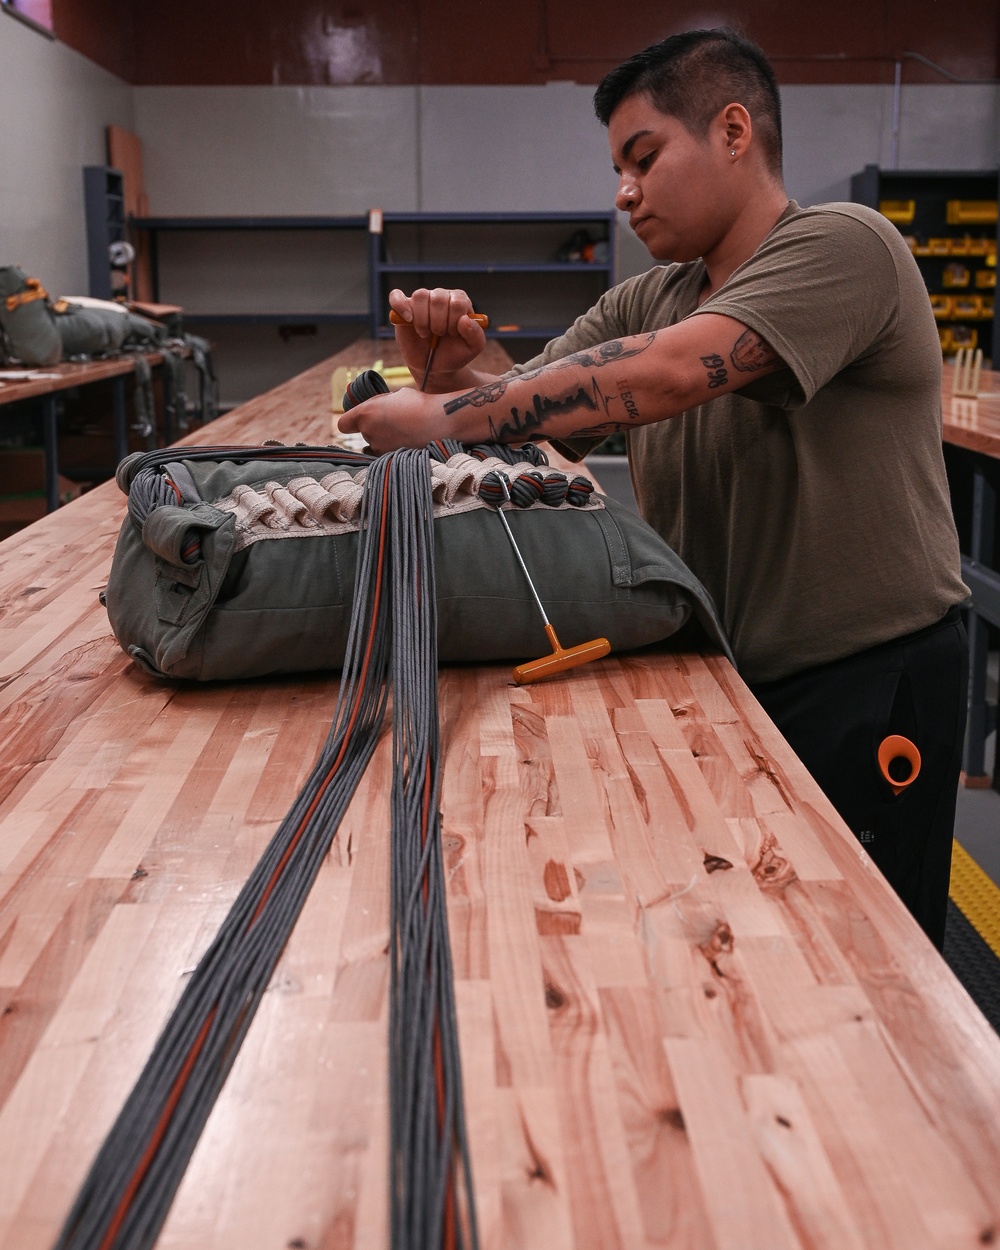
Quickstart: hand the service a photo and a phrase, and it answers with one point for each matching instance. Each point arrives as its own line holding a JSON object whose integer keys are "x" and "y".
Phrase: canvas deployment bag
{"x": 40, "y": 331}
{"x": 37, "y": 331}
{"x": 96, "y": 328}
{"x": 239, "y": 562}
{"x": 27, "y": 319}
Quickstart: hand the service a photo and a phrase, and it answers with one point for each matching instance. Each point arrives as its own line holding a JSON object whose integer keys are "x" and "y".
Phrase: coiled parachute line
{"x": 150, "y": 489}
{"x": 392, "y": 642}
{"x": 552, "y": 488}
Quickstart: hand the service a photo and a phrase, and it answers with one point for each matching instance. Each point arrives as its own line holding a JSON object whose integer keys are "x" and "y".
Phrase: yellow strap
{"x": 33, "y": 290}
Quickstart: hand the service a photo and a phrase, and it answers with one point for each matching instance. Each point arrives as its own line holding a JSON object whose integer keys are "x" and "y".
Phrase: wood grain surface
{"x": 67, "y": 374}
{"x": 692, "y": 1013}
{"x": 973, "y": 423}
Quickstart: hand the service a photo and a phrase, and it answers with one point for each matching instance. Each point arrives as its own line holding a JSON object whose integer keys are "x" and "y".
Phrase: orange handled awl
{"x": 562, "y": 657}
{"x": 396, "y": 320}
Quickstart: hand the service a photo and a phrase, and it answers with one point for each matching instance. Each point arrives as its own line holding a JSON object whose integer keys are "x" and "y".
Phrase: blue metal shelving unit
{"x": 104, "y": 207}
{"x": 433, "y": 228}
{"x": 594, "y": 276}
{"x": 154, "y": 226}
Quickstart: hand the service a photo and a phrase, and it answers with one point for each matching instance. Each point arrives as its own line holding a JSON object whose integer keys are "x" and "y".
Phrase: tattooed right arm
{"x": 660, "y": 374}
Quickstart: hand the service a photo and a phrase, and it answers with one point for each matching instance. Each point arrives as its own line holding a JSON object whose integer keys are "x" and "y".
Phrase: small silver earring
{"x": 733, "y": 152}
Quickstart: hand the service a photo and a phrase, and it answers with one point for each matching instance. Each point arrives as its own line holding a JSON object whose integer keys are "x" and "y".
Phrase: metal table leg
{"x": 120, "y": 419}
{"x": 982, "y": 718}
{"x": 50, "y": 428}
{"x": 168, "y": 405}
{"x": 202, "y": 396}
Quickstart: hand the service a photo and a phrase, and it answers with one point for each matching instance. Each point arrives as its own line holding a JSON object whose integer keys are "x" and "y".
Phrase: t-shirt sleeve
{"x": 821, "y": 289}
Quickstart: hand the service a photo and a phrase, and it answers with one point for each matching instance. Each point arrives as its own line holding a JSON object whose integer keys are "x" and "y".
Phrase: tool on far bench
{"x": 562, "y": 657}
{"x": 396, "y": 320}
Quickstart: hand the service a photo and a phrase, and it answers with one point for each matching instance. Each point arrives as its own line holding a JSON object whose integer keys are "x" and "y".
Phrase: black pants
{"x": 835, "y": 716}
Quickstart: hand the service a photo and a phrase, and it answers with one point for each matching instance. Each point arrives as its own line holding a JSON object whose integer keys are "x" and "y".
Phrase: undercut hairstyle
{"x": 693, "y": 76}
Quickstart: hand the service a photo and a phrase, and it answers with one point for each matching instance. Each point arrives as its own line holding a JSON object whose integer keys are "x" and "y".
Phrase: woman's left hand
{"x": 407, "y": 418}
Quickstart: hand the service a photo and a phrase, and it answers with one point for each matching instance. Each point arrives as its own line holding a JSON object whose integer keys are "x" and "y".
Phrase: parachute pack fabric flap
{"x": 240, "y": 562}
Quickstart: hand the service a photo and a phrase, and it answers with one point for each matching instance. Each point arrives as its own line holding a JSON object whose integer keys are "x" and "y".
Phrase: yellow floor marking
{"x": 977, "y": 897}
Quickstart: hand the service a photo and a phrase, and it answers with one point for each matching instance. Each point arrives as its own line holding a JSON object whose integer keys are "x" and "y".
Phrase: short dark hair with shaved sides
{"x": 693, "y": 76}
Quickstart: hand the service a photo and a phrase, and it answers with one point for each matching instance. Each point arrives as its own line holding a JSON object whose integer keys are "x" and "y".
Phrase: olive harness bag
{"x": 238, "y": 562}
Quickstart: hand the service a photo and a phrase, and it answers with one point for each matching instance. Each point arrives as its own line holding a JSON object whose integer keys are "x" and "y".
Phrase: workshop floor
{"x": 977, "y": 820}
{"x": 972, "y": 939}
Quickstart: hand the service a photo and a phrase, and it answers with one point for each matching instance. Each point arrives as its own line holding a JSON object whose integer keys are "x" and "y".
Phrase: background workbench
{"x": 51, "y": 381}
{"x": 692, "y": 1013}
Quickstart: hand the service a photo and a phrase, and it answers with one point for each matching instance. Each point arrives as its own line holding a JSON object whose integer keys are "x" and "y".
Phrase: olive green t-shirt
{"x": 813, "y": 502}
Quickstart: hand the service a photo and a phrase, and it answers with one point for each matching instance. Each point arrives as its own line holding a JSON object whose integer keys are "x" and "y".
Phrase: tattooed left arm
{"x": 613, "y": 386}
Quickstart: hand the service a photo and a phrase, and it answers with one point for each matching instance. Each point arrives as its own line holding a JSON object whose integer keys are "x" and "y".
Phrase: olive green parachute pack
{"x": 238, "y": 562}
{"x": 38, "y": 331}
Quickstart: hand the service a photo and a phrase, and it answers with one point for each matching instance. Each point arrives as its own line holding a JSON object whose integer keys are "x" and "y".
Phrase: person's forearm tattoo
{"x": 586, "y": 397}
{"x": 627, "y": 398}
{"x": 609, "y": 353}
{"x": 599, "y": 431}
{"x": 593, "y": 358}
{"x": 523, "y": 422}
{"x": 488, "y": 393}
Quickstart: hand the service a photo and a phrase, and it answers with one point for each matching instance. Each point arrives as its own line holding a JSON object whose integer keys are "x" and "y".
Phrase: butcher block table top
{"x": 692, "y": 1014}
{"x": 973, "y": 423}
{"x": 48, "y": 379}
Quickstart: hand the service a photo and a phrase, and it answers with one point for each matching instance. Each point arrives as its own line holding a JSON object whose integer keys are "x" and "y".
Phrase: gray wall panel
{"x": 55, "y": 105}
{"x": 237, "y": 151}
{"x": 343, "y": 149}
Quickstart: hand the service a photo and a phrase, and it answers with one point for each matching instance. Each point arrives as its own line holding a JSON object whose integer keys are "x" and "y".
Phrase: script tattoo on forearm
{"x": 751, "y": 352}
{"x": 716, "y": 366}
{"x": 627, "y": 398}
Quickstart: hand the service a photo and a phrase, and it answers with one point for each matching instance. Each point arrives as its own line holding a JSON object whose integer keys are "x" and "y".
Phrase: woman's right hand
{"x": 442, "y": 312}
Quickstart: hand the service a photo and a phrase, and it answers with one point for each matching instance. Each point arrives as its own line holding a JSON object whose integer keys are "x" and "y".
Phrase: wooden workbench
{"x": 973, "y": 423}
{"x": 692, "y": 1013}
{"x": 67, "y": 374}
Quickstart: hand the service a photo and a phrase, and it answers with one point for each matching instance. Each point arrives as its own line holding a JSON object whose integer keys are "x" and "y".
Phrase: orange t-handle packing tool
{"x": 396, "y": 320}
{"x": 562, "y": 657}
